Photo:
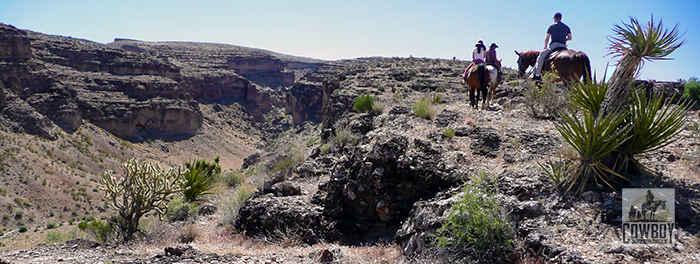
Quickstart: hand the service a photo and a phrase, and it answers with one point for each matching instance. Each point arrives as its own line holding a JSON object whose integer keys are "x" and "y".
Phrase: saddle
{"x": 548, "y": 61}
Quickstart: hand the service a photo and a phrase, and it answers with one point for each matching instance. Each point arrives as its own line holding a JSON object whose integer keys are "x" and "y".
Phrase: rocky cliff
{"x": 138, "y": 90}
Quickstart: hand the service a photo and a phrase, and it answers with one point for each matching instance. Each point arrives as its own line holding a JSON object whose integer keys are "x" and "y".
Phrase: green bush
{"x": 101, "y": 231}
{"x": 53, "y": 238}
{"x": 449, "y": 133}
{"x": 476, "y": 224}
{"x": 294, "y": 157}
{"x": 50, "y": 226}
{"x": 23, "y": 228}
{"x": 424, "y": 109}
{"x": 364, "y": 103}
{"x": 233, "y": 179}
{"x": 344, "y": 137}
{"x": 180, "y": 210}
{"x": 692, "y": 90}
{"x": 199, "y": 179}
{"x": 547, "y": 99}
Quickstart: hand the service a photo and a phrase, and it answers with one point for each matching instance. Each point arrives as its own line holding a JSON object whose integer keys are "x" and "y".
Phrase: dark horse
{"x": 651, "y": 207}
{"x": 479, "y": 79}
{"x": 571, "y": 65}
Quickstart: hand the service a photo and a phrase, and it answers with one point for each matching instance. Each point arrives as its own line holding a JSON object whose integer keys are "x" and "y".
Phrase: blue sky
{"x": 335, "y": 30}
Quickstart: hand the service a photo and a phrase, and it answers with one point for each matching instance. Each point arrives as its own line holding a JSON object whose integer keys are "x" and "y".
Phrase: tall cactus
{"x": 143, "y": 188}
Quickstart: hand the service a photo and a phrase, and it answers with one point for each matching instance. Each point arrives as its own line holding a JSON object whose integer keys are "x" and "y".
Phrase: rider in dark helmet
{"x": 559, "y": 33}
{"x": 492, "y": 59}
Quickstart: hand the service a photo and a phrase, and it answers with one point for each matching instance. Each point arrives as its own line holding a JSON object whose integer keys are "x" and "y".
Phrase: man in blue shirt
{"x": 559, "y": 33}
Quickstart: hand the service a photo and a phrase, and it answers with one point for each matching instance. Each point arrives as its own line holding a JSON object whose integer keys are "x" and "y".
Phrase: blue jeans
{"x": 543, "y": 55}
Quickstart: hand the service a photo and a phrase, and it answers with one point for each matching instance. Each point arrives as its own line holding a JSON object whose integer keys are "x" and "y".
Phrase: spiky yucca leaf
{"x": 588, "y": 96}
{"x": 649, "y": 42}
{"x": 636, "y": 43}
{"x": 199, "y": 179}
{"x": 592, "y": 136}
{"x": 654, "y": 125}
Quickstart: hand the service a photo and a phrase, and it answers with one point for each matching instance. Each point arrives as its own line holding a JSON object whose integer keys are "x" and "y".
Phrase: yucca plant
{"x": 635, "y": 44}
{"x": 608, "y": 123}
{"x": 592, "y": 138}
{"x": 199, "y": 179}
{"x": 653, "y": 126}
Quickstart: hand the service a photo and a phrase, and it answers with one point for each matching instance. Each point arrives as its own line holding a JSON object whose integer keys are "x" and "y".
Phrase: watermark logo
{"x": 648, "y": 215}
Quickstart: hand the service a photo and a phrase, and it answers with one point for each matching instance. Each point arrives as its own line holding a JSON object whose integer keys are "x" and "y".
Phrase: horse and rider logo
{"x": 648, "y": 215}
{"x": 645, "y": 211}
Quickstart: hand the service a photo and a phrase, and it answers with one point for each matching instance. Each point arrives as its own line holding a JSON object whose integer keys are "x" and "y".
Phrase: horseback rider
{"x": 559, "y": 33}
{"x": 478, "y": 56}
{"x": 650, "y": 196}
{"x": 492, "y": 59}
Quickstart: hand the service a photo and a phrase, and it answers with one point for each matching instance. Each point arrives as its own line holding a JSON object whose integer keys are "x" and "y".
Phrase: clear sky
{"x": 332, "y": 30}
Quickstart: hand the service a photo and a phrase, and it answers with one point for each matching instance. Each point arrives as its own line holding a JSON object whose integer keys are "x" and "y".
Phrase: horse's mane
{"x": 530, "y": 54}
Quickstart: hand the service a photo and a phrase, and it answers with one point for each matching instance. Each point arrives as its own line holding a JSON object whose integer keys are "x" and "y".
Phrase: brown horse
{"x": 479, "y": 79}
{"x": 571, "y": 65}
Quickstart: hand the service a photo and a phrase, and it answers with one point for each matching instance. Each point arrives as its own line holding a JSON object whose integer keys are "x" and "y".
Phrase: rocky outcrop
{"x": 264, "y": 70}
{"x": 305, "y": 102}
{"x": 14, "y": 44}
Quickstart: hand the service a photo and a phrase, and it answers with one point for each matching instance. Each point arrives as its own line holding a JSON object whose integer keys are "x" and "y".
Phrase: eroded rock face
{"x": 51, "y": 79}
{"x": 14, "y": 44}
{"x": 305, "y": 102}
{"x": 137, "y": 89}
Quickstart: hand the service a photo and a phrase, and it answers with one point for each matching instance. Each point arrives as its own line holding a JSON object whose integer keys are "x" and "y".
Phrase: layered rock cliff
{"x": 138, "y": 90}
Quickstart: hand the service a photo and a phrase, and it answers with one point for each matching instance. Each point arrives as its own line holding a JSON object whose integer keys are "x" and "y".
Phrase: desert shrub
{"x": 233, "y": 179}
{"x": 692, "y": 90}
{"x": 199, "y": 179}
{"x": 19, "y": 214}
{"x": 23, "y": 228}
{"x": 53, "y": 238}
{"x": 230, "y": 205}
{"x": 435, "y": 99}
{"x": 344, "y": 137}
{"x": 294, "y": 157}
{"x": 179, "y": 209}
{"x": 326, "y": 148}
{"x": 378, "y": 107}
{"x": 364, "y": 103}
{"x": 143, "y": 188}
{"x": 476, "y": 223}
{"x": 101, "y": 231}
{"x": 653, "y": 126}
{"x": 449, "y": 132}
{"x": 547, "y": 99}
{"x": 50, "y": 226}
{"x": 424, "y": 109}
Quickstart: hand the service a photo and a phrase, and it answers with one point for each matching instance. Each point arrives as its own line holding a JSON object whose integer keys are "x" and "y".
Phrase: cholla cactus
{"x": 145, "y": 187}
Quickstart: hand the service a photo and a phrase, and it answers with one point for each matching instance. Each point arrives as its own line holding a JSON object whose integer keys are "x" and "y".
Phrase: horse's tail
{"x": 585, "y": 66}
{"x": 481, "y": 74}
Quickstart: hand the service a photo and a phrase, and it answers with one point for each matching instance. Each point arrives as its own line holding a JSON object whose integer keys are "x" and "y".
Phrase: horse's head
{"x": 521, "y": 66}
{"x": 526, "y": 59}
